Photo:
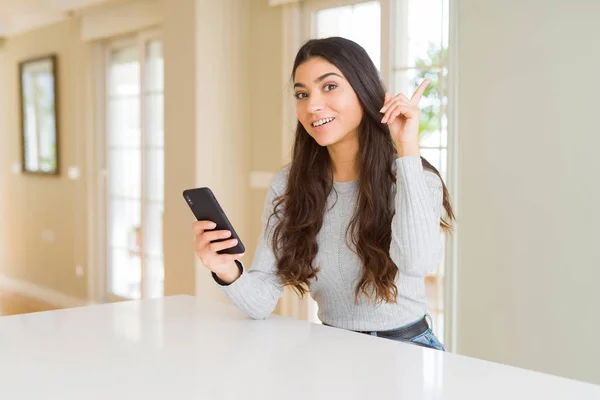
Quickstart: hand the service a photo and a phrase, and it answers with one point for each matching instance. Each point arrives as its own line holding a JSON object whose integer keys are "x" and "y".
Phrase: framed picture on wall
{"x": 39, "y": 120}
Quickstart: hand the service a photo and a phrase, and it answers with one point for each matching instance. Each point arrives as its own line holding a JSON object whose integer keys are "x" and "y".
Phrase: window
{"x": 135, "y": 168}
{"x": 358, "y": 22}
{"x": 418, "y": 43}
{"x": 420, "y": 48}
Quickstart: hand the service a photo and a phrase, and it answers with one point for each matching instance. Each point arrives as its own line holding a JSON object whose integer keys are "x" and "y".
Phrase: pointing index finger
{"x": 416, "y": 97}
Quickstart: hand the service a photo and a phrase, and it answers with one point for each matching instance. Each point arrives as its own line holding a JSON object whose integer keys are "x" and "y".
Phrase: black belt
{"x": 404, "y": 333}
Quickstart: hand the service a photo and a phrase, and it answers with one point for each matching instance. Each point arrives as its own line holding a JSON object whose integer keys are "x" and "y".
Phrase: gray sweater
{"x": 416, "y": 248}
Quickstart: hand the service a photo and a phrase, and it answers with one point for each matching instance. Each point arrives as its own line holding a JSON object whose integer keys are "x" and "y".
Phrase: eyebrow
{"x": 319, "y": 79}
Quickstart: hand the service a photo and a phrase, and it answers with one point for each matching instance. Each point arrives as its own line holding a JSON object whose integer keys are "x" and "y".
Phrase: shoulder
{"x": 280, "y": 180}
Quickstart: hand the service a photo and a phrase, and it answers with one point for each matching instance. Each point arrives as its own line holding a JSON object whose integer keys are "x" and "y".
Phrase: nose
{"x": 314, "y": 104}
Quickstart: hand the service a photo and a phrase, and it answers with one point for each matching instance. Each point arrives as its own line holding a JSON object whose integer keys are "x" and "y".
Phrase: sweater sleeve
{"x": 416, "y": 245}
{"x": 257, "y": 290}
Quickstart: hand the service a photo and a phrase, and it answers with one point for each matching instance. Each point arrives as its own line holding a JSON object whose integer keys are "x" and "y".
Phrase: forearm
{"x": 254, "y": 292}
{"x": 407, "y": 149}
{"x": 416, "y": 245}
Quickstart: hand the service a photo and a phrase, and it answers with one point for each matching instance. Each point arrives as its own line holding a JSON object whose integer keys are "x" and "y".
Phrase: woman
{"x": 355, "y": 218}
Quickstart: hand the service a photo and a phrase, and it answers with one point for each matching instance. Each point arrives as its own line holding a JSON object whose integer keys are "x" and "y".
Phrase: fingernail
{"x": 212, "y": 225}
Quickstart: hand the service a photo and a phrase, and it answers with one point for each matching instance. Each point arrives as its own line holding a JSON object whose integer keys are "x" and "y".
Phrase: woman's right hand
{"x": 222, "y": 265}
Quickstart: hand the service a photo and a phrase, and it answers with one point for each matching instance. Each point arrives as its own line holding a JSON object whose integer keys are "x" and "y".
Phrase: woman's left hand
{"x": 403, "y": 116}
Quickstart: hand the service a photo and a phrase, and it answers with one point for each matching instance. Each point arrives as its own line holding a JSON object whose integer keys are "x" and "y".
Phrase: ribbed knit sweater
{"x": 416, "y": 249}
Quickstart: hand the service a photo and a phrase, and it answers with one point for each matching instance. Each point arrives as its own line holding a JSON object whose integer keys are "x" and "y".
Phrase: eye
{"x": 329, "y": 87}
{"x": 300, "y": 95}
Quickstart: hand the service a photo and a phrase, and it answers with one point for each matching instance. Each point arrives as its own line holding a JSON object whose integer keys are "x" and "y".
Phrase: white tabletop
{"x": 183, "y": 348}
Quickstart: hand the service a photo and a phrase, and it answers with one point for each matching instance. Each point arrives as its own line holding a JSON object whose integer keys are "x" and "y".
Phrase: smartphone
{"x": 205, "y": 207}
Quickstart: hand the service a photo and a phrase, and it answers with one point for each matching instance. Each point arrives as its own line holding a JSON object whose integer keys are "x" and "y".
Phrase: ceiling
{"x": 18, "y": 16}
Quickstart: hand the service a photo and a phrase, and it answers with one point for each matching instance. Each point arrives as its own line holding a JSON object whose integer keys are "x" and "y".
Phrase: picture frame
{"x": 38, "y": 97}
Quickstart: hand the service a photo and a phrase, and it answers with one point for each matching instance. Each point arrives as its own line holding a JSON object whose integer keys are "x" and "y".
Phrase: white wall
{"x": 206, "y": 127}
{"x": 529, "y": 260}
{"x": 46, "y": 214}
{"x": 3, "y": 154}
{"x": 178, "y": 32}
{"x": 222, "y": 117}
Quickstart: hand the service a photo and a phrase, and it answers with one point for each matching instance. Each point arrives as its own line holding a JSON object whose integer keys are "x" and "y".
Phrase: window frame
{"x": 140, "y": 40}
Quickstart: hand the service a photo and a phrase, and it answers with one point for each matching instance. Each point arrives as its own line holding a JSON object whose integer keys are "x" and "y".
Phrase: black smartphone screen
{"x": 205, "y": 207}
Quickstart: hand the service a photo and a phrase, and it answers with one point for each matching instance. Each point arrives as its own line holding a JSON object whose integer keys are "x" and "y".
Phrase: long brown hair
{"x": 300, "y": 210}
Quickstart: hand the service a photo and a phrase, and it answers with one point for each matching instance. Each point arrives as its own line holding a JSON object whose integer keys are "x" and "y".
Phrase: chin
{"x": 323, "y": 143}
{"x": 325, "y": 140}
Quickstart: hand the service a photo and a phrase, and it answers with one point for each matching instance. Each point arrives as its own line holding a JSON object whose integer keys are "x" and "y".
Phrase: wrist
{"x": 405, "y": 149}
{"x": 230, "y": 273}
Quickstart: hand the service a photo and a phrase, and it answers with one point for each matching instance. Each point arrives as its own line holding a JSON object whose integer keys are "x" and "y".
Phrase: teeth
{"x": 322, "y": 121}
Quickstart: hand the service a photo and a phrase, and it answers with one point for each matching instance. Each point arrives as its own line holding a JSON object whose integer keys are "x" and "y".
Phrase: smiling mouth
{"x": 322, "y": 122}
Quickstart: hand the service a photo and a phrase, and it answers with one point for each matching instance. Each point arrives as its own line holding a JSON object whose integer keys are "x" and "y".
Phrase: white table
{"x": 183, "y": 348}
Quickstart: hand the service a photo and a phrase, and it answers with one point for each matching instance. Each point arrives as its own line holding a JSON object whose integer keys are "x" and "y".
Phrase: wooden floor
{"x": 14, "y": 303}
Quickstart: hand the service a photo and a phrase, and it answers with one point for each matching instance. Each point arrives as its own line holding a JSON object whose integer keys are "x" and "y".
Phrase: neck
{"x": 343, "y": 158}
